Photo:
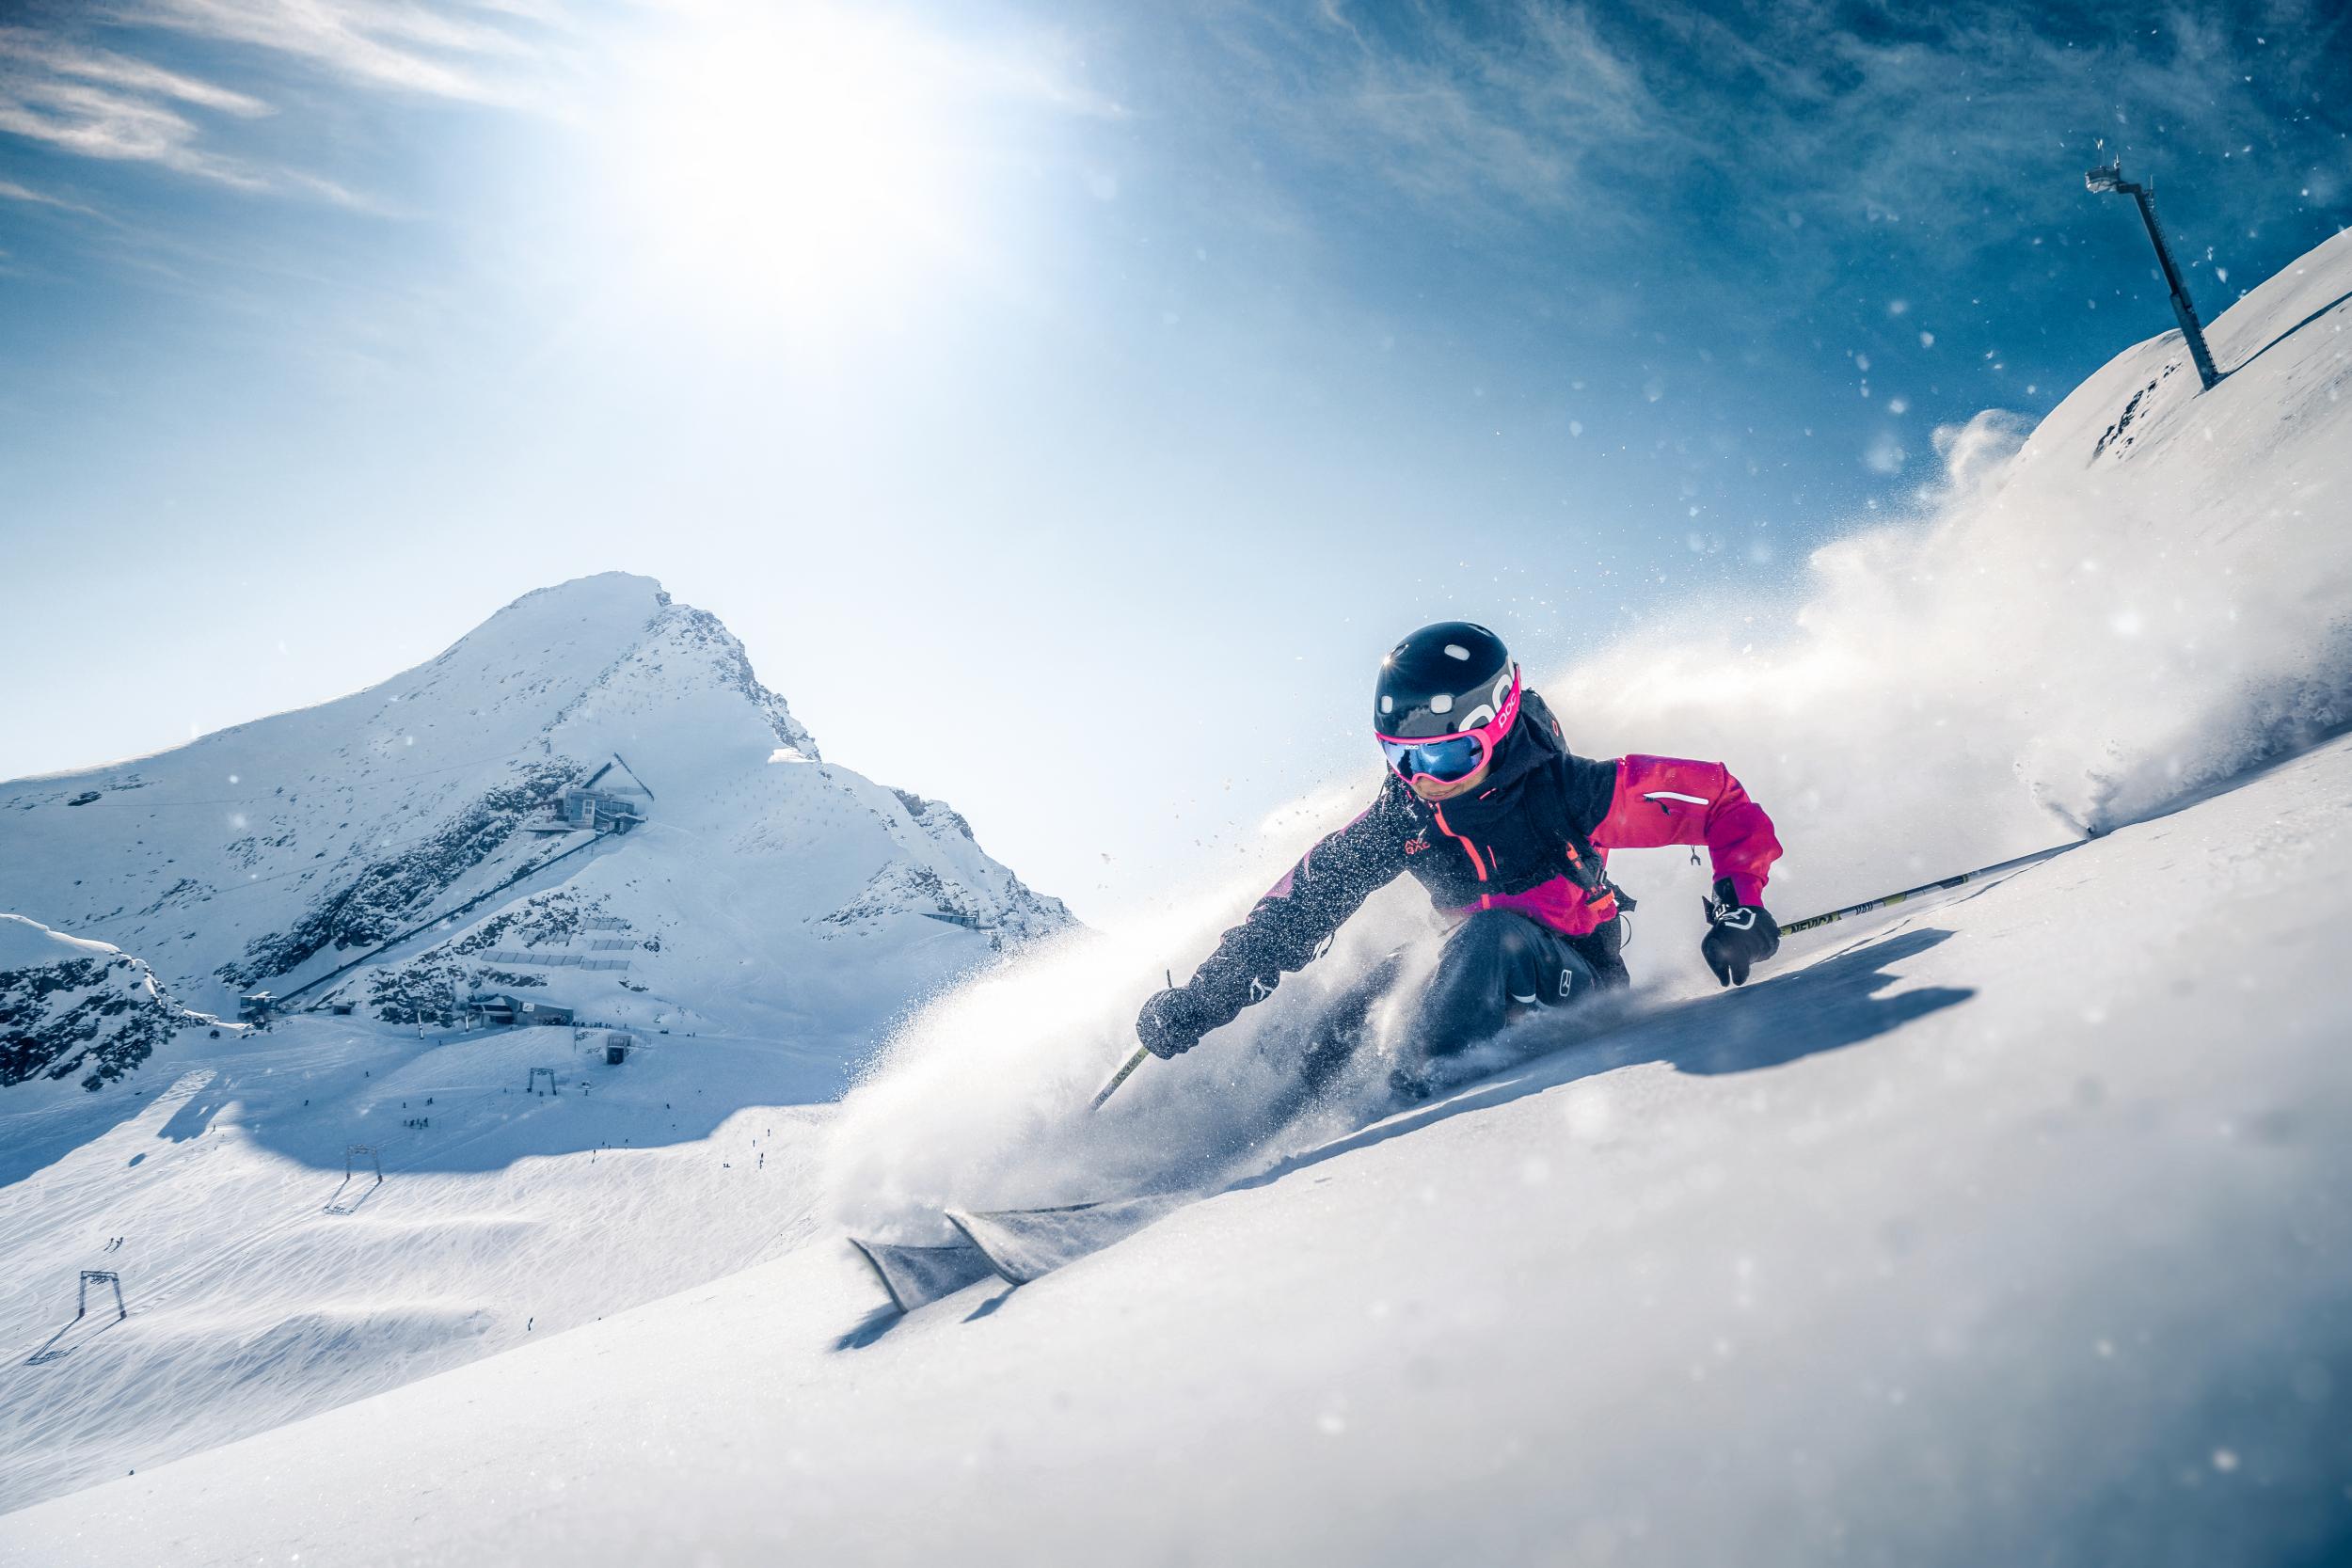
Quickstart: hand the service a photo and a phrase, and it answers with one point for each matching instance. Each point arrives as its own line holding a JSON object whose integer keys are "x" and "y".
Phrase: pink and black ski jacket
{"x": 1534, "y": 840}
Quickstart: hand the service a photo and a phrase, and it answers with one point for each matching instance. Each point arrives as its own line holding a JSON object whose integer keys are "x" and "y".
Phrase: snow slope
{"x": 2009, "y": 1229}
{"x": 266, "y": 1285}
{"x": 2148, "y": 591}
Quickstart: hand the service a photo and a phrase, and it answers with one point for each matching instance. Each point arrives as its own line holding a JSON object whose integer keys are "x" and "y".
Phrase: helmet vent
{"x": 1455, "y": 650}
{"x": 1388, "y": 704}
{"x": 1441, "y": 703}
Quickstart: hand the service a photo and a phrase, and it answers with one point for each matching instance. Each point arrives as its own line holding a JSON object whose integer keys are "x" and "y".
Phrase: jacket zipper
{"x": 1486, "y": 900}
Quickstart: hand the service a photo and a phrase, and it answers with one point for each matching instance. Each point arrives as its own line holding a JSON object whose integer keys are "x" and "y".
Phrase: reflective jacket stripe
{"x": 1663, "y": 800}
{"x": 1486, "y": 900}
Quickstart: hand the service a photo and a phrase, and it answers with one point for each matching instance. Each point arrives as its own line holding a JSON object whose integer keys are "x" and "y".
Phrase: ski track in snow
{"x": 265, "y": 1285}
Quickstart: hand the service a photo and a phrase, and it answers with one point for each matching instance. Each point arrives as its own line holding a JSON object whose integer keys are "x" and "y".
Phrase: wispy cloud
{"x": 101, "y": 105}
{"x": 11, "y": 191}
{"x": 1461, "y": 115}
{"x": 1765, "y": 118}
{"x": 441, "y": 51}
{"x": 58, "y": 87}
{"x": 1476, "y": 114}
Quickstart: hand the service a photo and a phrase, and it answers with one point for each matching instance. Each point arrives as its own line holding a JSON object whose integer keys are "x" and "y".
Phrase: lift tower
{"x": 2110, "y": 178}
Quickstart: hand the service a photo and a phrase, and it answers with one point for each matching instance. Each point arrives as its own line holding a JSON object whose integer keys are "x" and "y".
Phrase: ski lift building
{"x": 611, "y": 800}
{"x": 597, "y": 810}
{"x": 492, "y": 1008}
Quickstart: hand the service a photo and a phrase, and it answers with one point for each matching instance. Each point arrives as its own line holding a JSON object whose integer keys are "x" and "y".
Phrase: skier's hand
{"x": 1737, "y": 936}
{"x": 1172, "y": 1023}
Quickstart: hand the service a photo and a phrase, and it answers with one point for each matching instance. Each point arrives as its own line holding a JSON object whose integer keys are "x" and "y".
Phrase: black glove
{"x": 1737, "y": 936}
{"x": 1172, "y": 1022}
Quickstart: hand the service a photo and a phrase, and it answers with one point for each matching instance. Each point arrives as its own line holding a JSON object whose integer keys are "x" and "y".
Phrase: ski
{"x": 1022, "y": 1245}
{"x": 1018, "y": 1245}
{"x": 917, "y": 1276}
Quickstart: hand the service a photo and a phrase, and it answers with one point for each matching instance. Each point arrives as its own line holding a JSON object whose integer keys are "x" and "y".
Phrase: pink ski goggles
{"x": 1444, "y": 759}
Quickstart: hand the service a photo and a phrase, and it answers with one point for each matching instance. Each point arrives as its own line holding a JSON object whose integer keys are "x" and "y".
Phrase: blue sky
{"x": 1067, "y": 404}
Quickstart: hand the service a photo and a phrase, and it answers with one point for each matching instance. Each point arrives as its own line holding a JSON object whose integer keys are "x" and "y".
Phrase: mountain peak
{"x": 591, "y": 620}
{"x": 429, "y": 813}
{"x": 614, "y": 591}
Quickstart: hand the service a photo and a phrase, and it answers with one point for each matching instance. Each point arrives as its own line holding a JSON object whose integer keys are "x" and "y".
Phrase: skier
{"x": 1509, "y": 832}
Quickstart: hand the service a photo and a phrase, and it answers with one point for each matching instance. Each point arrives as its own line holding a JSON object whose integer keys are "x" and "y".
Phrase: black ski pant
{"x": 1494, "y": 966}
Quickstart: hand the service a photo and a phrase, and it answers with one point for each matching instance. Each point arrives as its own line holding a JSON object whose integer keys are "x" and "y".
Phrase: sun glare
{"x": 802, "y": 165}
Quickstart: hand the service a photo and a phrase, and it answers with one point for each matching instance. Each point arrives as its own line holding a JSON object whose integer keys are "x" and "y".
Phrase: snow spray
{"x": 2065, "y": 632}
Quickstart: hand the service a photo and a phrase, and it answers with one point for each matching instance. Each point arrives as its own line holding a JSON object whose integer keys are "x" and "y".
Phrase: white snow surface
{"x": 2004, "y": 1225}
{"x": 28, "y": 944}
{"x": 2009, "y": 1229}
{"x": 266, "y": 1285}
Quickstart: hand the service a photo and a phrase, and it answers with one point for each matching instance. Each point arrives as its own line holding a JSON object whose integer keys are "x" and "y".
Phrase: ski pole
{"x": 1811, "y": 921}
{"x": 1131, "y": 1063}
{"x": 1119, "y": 1077}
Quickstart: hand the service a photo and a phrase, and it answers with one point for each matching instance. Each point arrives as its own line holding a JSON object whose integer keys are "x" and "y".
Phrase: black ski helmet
{"x": 1443, "y": 680}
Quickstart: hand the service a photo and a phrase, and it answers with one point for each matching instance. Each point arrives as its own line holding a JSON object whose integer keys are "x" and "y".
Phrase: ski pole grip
{"x": 1129, "y": 1065}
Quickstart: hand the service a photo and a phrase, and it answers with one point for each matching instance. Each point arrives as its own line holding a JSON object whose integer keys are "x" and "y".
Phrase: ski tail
{"x": 1021, "y": 1244}
{"x": 918, "y": 1275}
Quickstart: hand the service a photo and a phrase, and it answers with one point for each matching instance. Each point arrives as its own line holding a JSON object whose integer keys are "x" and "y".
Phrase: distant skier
{"x": 1509, "y": 832}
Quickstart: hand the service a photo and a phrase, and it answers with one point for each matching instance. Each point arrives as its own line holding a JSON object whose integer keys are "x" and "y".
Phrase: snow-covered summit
{"x": 721, "y": 872}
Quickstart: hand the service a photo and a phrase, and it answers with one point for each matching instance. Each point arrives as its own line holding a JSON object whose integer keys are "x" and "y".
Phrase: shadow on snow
{"x": 1826, "y": 1006}
{"x": 2288, "y": 333}
{"x": 449, "y": 1105}
{"x": 1833, "y": 1002}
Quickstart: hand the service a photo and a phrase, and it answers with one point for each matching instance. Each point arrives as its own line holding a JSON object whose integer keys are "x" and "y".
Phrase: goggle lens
{"x": 1445, "y": 758}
